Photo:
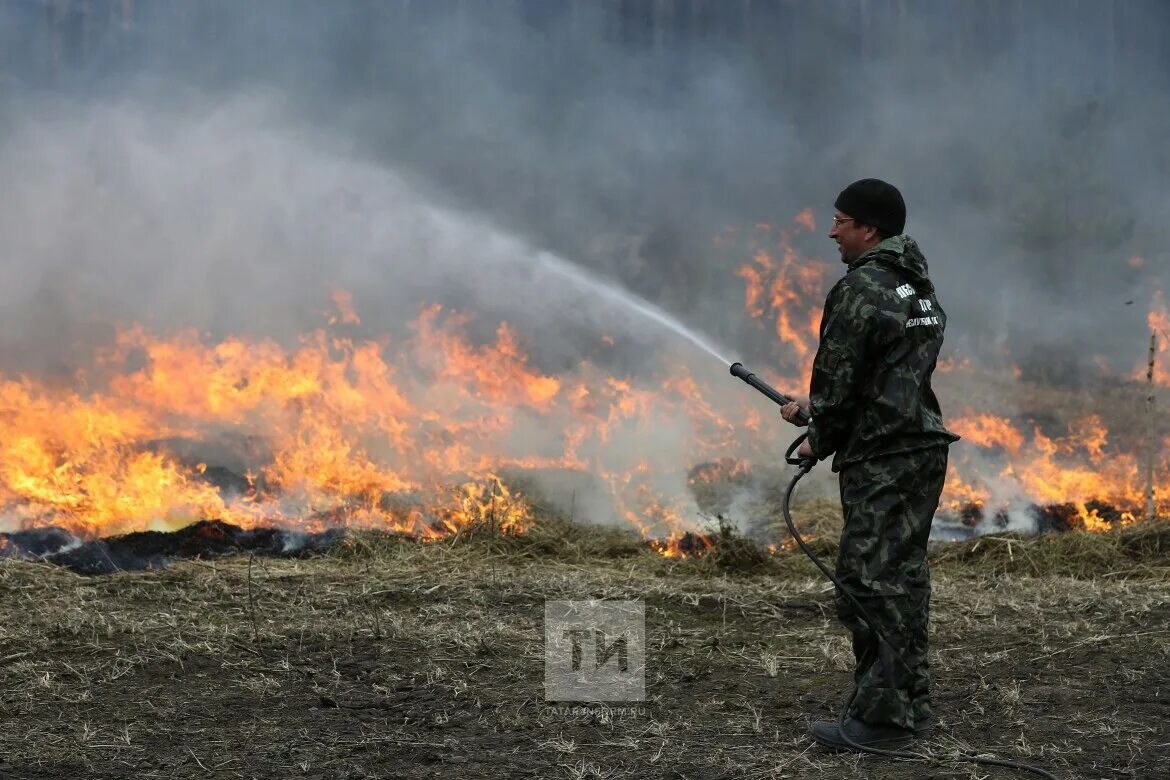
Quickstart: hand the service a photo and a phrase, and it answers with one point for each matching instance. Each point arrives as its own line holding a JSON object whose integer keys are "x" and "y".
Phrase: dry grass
{"x": 395, "y": 659}
{"x": 1140, "y": 551}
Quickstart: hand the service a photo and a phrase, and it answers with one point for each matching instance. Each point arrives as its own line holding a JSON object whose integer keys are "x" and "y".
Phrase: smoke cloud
{"x": 225, "y": 166}
{"x": 222, "y": 165}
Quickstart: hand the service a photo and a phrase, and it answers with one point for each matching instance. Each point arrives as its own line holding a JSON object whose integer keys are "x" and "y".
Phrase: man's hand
{"x": 789, "y": 411}
{"x": 804, "y": 450}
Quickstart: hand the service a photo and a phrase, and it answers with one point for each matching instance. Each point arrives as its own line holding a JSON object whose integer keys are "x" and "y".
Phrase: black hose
{"x": 803, "y": 467}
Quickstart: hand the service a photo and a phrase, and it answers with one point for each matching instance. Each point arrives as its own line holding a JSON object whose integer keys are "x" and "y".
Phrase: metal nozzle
{"x": 741, "y": 371}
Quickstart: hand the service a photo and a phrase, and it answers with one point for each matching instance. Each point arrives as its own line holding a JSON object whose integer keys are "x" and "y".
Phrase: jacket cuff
{"x": 821, "y": 443}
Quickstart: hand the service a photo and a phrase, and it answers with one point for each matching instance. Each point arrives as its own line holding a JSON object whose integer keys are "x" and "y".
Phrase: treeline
{"x": 1123, "y": 40}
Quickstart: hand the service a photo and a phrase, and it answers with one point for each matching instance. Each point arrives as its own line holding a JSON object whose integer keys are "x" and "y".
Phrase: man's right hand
{"x": 789, "y": 411}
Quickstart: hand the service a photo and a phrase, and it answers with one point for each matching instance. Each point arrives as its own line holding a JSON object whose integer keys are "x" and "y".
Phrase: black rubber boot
{"x": 826, "y": 733}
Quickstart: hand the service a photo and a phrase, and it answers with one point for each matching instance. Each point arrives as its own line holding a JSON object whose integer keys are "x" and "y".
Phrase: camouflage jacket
{"x": 880, "y": 336}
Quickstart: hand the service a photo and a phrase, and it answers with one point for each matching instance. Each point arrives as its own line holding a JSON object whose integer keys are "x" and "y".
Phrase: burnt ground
{"x": 396, "y": 660}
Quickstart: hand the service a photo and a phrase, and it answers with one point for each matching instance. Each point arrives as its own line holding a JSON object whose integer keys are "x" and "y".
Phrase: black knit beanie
{"x": 874, "y": 202}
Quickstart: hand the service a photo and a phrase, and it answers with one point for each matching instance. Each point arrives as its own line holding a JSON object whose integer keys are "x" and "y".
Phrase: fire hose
{"x": 803, "y": 467}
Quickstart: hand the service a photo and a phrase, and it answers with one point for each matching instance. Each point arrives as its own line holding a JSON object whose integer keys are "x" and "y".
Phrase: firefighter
{"x": 873, "y": 411}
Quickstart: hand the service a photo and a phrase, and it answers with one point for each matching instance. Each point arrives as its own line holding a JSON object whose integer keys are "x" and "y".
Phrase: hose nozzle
{"x": 741, "y": 371}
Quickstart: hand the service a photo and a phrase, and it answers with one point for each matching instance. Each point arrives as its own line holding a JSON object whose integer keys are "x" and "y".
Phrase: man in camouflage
{"x": 873, "y": 410}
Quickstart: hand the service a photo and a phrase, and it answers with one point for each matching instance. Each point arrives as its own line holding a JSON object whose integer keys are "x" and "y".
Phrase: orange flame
{"x": 411, "y": 437}
{"x": 985, "y": 430}
{"x": 789, "y": 291}
{"x": 345, "y": 314}
{"x": 419, "y": 436}
{"x": 1080, "y": 468}
{"x": 806, "y": 220}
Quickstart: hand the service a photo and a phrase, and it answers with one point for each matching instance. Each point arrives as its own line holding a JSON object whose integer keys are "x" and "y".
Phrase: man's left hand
{"x": 804, "y": 450}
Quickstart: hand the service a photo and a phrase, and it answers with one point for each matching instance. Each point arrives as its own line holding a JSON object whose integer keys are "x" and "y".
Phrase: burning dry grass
{"x": 720, "y": 548}
{"x": 393, "y": 658}
{"x": 427, "y": 432}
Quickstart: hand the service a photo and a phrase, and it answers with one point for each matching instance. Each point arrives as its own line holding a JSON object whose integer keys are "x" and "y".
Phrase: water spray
{"x": 617, "y": 294}
{"x": 804, "y": 466}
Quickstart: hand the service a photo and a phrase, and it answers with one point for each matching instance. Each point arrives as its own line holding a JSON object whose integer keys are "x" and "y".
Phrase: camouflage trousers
{"x": 888, "y": 504}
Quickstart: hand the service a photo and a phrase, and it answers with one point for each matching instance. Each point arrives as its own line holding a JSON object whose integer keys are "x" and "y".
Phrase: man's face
{"x": 852, "y": 237}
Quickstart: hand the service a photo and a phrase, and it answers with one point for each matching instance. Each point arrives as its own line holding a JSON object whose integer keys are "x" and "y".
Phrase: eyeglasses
{"x": 839, "y": 221}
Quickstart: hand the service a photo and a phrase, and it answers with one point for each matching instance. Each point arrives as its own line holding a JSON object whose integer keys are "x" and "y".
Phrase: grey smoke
{"x": 224, "y": 165}
{"x": 219, "y": 164}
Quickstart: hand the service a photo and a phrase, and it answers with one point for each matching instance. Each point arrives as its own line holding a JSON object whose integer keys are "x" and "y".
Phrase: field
{"x": 393, "y": 659}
